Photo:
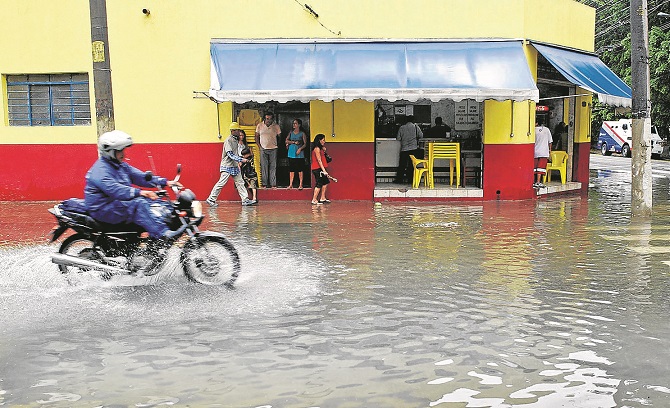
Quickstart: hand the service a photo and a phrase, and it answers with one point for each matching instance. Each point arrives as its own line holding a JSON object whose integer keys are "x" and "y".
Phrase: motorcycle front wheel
{"x": 210, "y": 260}
{"x": 79, "y": 246}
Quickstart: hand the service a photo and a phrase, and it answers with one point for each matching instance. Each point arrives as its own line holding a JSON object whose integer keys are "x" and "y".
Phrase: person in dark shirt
{"x": 438, "y": 131}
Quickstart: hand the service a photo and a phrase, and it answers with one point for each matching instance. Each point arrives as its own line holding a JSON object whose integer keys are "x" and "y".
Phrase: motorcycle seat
{"x": 75, "y": 210}
{"x": 75, "y": 205}
{"x": 90, "y": 222}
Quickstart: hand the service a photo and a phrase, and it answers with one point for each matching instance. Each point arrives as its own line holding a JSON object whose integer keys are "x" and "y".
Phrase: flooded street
{"x": 559, "y": 302}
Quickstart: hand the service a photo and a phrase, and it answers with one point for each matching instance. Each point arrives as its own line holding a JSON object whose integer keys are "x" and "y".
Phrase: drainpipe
{"x": 511, "y": 130}
{"x": 531, "y": 124}
{"x": 332, "y": 118}
{"x": 102, "y": 74}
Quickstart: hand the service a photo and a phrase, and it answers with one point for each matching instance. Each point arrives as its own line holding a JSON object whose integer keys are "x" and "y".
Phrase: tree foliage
{"x": 612, "y": 43}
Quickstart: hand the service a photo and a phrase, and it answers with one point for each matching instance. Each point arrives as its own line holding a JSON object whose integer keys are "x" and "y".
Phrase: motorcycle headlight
{"x": 196, "y": 207}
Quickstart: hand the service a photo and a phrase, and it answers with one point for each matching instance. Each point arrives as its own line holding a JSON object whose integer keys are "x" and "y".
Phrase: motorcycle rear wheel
{"x": 210, "y": 260}
{"x": 81, "y": 247}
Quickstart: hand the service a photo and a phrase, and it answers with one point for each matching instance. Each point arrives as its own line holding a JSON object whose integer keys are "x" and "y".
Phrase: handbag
{"x": 328, "y": 158}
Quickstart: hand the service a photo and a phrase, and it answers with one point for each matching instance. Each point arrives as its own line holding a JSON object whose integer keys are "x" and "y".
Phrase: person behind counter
{"x": 409, "y": 135}
{"x": 561, "y": 135}
{"x": 440, "y": 130}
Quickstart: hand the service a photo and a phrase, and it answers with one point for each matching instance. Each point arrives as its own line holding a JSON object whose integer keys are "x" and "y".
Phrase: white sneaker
{"x": 247, "y": 202}
{"x": 211, "y": 203}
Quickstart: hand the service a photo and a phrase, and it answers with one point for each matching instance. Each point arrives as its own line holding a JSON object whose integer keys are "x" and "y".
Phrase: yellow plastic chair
{"x": 440, "y": 150}
{"x": 559, "y": 162}
{"x": 420, "y": 170}
{"x": 251, "y": 142}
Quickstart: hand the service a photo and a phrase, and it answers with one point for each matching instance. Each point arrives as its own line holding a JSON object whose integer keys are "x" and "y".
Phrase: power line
{"x": 311, "y": 11}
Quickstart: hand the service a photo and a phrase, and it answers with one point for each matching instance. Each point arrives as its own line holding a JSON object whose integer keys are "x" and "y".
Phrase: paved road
{"x": 618, "y": 164}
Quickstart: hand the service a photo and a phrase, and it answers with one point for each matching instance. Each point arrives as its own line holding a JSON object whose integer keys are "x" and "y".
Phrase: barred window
{"x": 48, "y": 100}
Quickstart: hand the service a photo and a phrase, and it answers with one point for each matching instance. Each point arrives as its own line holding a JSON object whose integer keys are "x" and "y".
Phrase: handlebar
{"x": 161, "y": 192}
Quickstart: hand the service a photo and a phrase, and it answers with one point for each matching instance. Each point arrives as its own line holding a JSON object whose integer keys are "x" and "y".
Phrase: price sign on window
{"x": 467, "y": 115}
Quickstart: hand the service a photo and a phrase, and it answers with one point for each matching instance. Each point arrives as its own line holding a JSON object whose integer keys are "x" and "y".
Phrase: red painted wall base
{"x": 56, "y": 172}
{"x": 508, "y": 172}
{"x": 580, "y": 165}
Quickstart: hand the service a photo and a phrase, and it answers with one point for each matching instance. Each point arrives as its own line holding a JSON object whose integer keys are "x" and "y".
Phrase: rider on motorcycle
{"x": 110, "y": 195}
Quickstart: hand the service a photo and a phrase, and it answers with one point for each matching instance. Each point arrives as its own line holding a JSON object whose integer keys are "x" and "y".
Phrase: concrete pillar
{"x": 641, "y": 183}
{"x": 102, "y": 73}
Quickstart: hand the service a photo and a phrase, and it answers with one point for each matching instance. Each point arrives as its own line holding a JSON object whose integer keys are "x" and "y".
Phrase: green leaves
{"x": 612, "y": 42}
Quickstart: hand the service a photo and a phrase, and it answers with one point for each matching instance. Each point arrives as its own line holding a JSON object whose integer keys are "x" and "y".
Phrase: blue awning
{"x": 312, "y": 70}
{"x": 589, "y": 72}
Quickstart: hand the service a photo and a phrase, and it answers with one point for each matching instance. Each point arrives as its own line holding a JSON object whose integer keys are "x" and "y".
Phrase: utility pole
{"x": 641, "y": 189}
{"x": 102, "y": 73}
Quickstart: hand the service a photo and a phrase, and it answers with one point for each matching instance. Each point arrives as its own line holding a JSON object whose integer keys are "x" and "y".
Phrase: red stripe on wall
{"x": 580, "y": 165}
{"x": 56, "y": 172}
{"x": 508, "y": 171}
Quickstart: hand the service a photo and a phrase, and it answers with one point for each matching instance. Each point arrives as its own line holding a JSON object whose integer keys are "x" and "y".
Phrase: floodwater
{"x": 561, "y": 302}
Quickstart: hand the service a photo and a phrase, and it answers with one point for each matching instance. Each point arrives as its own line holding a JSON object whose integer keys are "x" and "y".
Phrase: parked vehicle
{"x": 616, "y": 136}
{"x": 112, "y": 249}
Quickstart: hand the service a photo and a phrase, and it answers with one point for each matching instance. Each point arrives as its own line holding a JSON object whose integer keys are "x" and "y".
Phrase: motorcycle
{"x": 125, "y": 249}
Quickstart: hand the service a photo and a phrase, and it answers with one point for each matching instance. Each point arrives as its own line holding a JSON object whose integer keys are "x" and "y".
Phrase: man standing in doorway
{"x": 267, "y": 133}
{"x": 543, "y": 141}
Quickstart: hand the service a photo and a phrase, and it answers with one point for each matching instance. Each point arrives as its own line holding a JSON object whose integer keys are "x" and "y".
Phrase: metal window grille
{"x": 48, "y": 100}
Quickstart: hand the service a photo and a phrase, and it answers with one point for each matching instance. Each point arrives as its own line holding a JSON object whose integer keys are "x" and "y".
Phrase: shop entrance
{"x": 284, "y": 115}
{"x": 462, "y": 124}
{"x": 557, "y": 95}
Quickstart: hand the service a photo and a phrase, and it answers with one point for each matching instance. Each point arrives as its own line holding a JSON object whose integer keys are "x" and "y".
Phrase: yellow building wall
{"x": 225, "y": 111}
{"x": 354, "y": 121}
{"x": 504, "y": 124}
{"x": 42, "y": 36}
{"x": 562, "y": 22}
{"x": 159, "y": 60}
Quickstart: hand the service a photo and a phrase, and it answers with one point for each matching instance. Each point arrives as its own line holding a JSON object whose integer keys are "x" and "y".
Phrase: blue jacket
{"x": 108, "y": 181}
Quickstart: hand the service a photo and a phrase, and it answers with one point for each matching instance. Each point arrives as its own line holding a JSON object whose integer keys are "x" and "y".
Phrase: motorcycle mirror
{"x": 178, "y": 172}
{"x": 148, "y": 175}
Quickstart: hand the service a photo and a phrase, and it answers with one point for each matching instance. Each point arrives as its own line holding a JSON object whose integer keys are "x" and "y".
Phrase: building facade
{"x": 167, "y": 88}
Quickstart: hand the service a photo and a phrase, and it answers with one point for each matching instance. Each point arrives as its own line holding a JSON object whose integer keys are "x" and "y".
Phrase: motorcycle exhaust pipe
{"x": 68, "y": 260}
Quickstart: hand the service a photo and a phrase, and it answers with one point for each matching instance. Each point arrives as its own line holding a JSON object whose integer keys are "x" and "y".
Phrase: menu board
{"x": 467, "y": 115}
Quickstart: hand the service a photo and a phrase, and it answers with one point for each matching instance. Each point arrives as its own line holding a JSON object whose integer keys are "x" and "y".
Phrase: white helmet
{"x": 110, "y": 142}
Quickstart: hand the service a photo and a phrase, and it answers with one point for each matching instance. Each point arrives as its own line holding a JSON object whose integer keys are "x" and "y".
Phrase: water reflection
{"x": 558, "y": 302}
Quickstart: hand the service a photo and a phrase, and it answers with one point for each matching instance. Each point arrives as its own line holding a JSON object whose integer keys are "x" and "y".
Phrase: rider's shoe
{"x": 247, "y": 202}
{"x": 212, "y": 203}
